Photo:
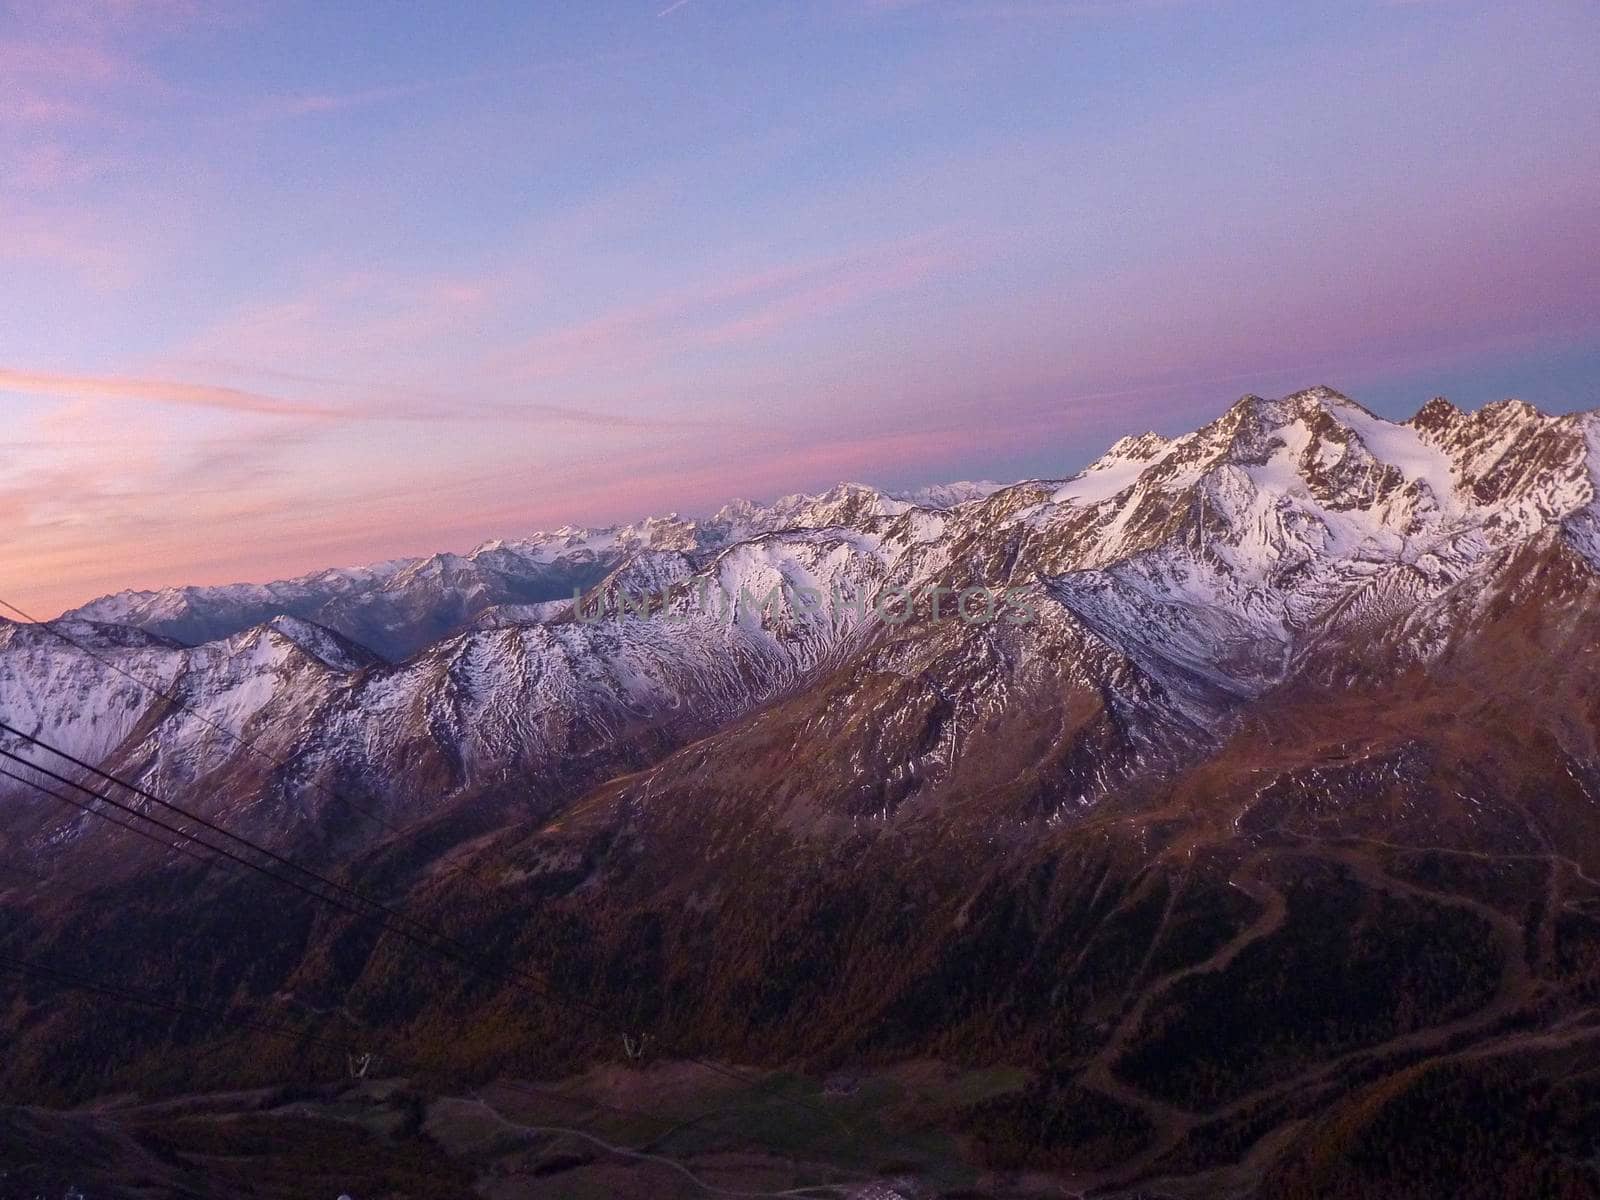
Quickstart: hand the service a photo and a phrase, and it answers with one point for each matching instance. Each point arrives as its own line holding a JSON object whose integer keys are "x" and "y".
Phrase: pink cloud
{"x": 47, "y": 85}
{"x": 63, "y": 63}
{"x": 740, "y": 307}
{"x": 194, "y": 395}
{"x": 409, "y": 405}
{"x": 336, "y": 317}
{"x": 62, "y": 242}
{"x": 23, "y": 107}
{"x": 850, "y": 287}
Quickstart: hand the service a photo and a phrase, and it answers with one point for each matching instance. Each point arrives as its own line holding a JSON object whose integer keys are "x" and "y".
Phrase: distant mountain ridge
{"x": 396, "y": 608}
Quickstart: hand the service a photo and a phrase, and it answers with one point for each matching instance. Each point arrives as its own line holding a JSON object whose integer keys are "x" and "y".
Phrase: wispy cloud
{"x": 334, "y": 99}
{"x": 311, "y": 104}
{"x": 739, "y": 307}
{"x": 382, "y": 404}
{"x": 156, "y": 391}
{"x": 63, "y": 63}
{"x": 672, "y": 8}
{"x": 52, "y": 81}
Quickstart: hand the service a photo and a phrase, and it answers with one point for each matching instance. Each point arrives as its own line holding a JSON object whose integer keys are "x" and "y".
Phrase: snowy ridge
{"x": 1229, "y": 550}
{"x": 529, "y": 692}
{"x": 854, "y": 504}
{"x": 1173, "y": 581}
{"x": 1582, "y": 528}
{"x": 397, "y": 608}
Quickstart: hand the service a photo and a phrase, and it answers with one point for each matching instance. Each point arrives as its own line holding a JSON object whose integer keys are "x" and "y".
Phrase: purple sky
{"x": 303, "y": 284}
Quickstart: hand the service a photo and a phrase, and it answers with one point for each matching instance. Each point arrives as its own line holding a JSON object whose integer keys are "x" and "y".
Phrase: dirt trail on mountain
{"x": 1172, "y": 1123}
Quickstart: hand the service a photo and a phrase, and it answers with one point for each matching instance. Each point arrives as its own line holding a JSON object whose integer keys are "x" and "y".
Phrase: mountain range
{"x": 1268, "y": 839}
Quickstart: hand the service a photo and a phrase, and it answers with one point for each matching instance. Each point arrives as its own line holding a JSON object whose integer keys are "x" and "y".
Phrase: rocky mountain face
{"x": 1243, "y": 788}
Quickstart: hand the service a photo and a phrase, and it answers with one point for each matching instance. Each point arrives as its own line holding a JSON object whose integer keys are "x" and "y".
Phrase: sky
{"x": 285, "y": 286}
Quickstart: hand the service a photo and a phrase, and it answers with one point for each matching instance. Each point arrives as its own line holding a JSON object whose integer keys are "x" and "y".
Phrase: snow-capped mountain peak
{"x": 1178, "y": 576}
